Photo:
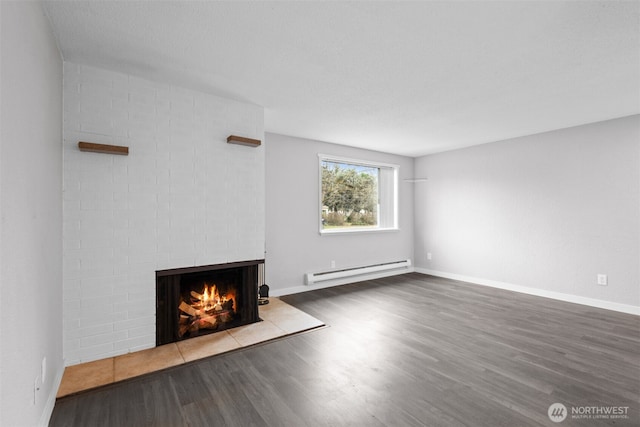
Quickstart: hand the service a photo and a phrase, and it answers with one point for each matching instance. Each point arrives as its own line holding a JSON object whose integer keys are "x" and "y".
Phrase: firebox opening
{"x": 208, "y": 302}
{"x": 201, "y": 300}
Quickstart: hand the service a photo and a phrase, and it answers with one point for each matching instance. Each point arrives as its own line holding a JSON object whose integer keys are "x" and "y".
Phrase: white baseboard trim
{"x": 576, "y": 299}
{"x": 337, "y": 282}
{"x": 51, "y": 400}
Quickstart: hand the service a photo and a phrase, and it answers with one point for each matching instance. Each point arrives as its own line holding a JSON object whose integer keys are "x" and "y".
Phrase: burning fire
{"x": 206, "y": 310}
{"x": 210, "y": 299}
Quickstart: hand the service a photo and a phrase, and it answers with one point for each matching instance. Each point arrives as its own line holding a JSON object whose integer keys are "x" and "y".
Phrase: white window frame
{"x": 387, "y": 195}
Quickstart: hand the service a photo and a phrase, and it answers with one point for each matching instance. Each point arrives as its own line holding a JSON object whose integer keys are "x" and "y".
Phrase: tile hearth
{"x": 278, "y": 319}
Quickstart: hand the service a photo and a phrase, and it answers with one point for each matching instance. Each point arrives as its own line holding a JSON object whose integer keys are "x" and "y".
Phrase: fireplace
{"x": 195, "y": 301}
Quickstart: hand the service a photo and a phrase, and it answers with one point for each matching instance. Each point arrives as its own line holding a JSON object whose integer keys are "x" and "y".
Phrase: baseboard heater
{"x": 311, "y": 278}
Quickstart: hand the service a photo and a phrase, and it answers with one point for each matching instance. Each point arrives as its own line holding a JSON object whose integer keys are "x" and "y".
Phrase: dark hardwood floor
{"x": 410, "y": 350}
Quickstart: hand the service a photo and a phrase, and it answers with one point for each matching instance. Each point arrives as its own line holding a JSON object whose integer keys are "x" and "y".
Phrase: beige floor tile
{"x": 274, "y": 307}
{"x": 256, "y": 332}
{"x": 288, "y": 318}
{"x": 207, "y": 345}
{"x": 145, "y": 361}
{"x": 85, "y": 376}
{"x": 293, "y": 322}
{"x": 274, "y": 302}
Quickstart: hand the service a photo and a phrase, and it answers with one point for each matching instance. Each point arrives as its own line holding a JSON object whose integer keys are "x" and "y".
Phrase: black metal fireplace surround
{"x": 195, "y": 301}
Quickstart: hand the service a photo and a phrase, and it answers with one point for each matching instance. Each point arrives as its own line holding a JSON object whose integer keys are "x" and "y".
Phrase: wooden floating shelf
{"x": 239, "y": 140}
{"x": 103, "y": 148}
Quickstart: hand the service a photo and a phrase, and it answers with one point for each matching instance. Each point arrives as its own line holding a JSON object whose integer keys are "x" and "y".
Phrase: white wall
{"x": 31, "y": 215}
{"x": 294, "y": 245}
{"x": 182, "y": 197}
{"x": 546, "y": 212}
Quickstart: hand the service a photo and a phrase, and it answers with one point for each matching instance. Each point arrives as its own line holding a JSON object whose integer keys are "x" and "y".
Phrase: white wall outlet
{"x": 602, "y": 279}
{"x": 36, "y": 389}
{"x": 333, "y": 264}
{"x": 429, "y": 256}
{"x": 43, "y": 374}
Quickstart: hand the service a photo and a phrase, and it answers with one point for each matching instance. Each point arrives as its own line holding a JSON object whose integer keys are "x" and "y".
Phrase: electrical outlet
{"x": 429, "y": 256}
{"x": 43, "y": 373}
{"x": 602, "y": 279}
{"x": 36, "y": 389}
{"x": 333, "y": 264}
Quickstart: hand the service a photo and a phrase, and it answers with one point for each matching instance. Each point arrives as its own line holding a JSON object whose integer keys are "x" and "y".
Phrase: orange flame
{"x": 211, "y": 297}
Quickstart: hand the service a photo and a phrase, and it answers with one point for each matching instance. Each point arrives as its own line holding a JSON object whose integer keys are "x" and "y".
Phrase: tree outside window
{"x": 350, "y": 195}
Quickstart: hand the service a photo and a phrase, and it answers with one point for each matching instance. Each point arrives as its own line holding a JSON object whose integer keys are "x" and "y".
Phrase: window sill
{"x": 334, "y": 232}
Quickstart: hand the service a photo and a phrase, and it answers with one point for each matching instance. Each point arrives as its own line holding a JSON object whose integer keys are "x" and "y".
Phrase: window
{"x": 357, "y": 195}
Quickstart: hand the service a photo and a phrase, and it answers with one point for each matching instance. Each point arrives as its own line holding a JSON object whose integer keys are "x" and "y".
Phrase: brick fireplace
{"x": 182, "y": 197}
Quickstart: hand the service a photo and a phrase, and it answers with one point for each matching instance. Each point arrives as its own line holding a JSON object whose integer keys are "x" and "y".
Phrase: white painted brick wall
{"x": 182, "y": 197}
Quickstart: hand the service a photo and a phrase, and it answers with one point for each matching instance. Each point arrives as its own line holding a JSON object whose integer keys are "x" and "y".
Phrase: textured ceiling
{"x": 410, "y": 78}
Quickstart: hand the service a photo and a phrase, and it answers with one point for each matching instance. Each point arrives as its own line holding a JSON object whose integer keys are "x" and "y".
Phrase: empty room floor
{"x": 410, "y": 350}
